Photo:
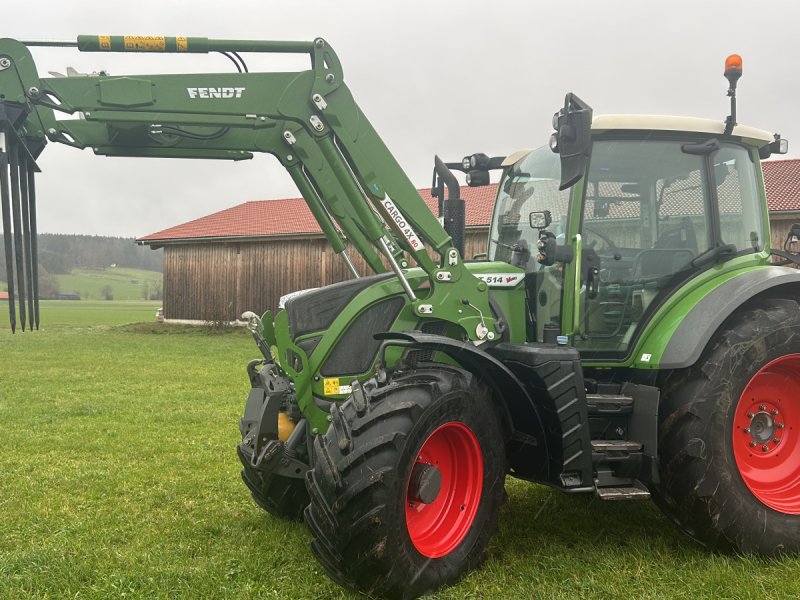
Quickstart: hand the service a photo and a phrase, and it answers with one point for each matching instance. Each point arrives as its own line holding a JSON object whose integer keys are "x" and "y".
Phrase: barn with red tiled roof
{"x": 291, "y": 217}
{"x": 246, "y": 257}
{"x": 782, "y": 183}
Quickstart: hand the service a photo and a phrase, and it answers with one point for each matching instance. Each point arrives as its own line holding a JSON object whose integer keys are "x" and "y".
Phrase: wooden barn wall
{"x": 780, "y": 224}
{"x": 219, "y": 281}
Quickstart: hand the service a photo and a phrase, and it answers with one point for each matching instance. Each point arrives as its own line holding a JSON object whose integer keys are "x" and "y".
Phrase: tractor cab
{"x": 663, "y": 199}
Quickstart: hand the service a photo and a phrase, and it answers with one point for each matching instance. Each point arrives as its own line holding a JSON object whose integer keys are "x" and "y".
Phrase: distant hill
{"x": 59, "y": 254}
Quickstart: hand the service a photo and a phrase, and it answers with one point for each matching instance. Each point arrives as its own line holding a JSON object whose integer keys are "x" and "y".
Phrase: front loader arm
{"x": 308, "y": 120}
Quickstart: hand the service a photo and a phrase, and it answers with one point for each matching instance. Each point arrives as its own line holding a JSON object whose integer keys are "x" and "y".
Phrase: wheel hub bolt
{"x": 780, "y": 425}
{"x": 749, "y": 415}
{"x": 776, "y": 441}
{"x": 762, "y": 407}
{"x": 747, "y": 430}
{"x": 752, "y": 444}
{"x": 765, "y": 447}
{"x": 774, "y": 411}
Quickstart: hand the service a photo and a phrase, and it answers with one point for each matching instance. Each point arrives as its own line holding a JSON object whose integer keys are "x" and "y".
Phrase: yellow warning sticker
{"x": 331, "y": 386}
{"x": 145, "y": 43}
{"x": 182, "y": 43}
{"x": 104, "y": 41}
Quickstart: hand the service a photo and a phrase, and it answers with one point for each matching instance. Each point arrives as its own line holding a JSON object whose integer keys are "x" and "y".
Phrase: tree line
{"x": 60, "y": 253}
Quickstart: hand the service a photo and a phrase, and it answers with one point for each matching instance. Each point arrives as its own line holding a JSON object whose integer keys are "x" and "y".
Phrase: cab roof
{"x": 750, "y": 135}
{"x": 605, "y": 123}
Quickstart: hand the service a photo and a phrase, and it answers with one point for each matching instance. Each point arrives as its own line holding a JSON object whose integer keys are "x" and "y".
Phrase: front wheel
{"x": 729, "y": 436}
{"x": 282, "y": 497}
{"x": 407, "y": 485}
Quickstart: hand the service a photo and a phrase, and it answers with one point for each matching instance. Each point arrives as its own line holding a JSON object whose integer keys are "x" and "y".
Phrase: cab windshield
{"x": 531, "y": 185}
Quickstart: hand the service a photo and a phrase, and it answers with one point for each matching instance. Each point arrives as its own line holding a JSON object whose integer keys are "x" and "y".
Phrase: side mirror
{"x": 540, "y": 219}
{"x": 572, "y": 139}
{"x": 550, "y": 252}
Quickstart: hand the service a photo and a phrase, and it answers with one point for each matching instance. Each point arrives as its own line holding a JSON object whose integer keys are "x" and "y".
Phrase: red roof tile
{"x": 782, "y": 181}
{"x": 260, "y": 218}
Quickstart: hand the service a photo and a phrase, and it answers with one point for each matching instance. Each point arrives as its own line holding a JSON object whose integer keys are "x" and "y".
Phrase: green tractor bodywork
{"x": 335, "y": 346}
{"x": 627, "y": 333}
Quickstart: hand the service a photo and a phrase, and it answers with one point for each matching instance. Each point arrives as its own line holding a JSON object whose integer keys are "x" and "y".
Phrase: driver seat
{"x": 658, "y": 262}
{"x": 680, "y": 236}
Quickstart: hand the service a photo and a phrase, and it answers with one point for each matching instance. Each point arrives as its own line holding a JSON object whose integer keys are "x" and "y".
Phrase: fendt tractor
{"x": 629, "y": 333}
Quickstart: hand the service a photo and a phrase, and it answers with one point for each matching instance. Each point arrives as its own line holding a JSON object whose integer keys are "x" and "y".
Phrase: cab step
{"x": 609, "y": 404}
{"x": 606, "y": 446}
{"x": 622, "y": 493}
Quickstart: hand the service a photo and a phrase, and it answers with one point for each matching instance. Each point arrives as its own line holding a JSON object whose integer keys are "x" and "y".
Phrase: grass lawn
{"x": 125, "y": 284}
{"x": 119, "y": 478}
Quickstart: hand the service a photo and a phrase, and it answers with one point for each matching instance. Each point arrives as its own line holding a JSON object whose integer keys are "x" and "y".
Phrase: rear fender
{"x": 697, "y": 328}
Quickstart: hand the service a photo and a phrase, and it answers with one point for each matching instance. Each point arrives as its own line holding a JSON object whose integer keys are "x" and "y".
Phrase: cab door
{"x": 655, "y": 213}
{"x": 645, "y": 218}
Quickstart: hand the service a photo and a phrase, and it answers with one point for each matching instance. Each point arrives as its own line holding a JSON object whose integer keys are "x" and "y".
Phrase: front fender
{"x": 521, "y": 411}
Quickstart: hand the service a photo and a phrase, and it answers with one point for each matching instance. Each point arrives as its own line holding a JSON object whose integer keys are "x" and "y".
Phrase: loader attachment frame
{"x": 308, "y": 120}
{"x": 18, "y": 206}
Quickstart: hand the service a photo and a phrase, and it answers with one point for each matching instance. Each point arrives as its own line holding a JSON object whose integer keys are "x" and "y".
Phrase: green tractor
{"x": 628, "y": 333}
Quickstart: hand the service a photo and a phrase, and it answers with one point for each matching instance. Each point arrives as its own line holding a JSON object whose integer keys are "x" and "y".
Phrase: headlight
{"x": 477, "y": 178}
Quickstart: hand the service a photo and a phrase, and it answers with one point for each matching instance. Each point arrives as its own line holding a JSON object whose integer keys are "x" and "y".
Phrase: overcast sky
{"x": 440, "y": 76}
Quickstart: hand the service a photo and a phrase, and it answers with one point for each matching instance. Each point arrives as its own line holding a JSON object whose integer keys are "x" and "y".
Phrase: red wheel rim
{"x": 438, "y": 527}
{"x": 765, "y": 445}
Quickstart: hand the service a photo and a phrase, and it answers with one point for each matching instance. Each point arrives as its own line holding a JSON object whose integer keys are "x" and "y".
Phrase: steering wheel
{"x": 680, "y": 236}
{"x": 610, "y": 245}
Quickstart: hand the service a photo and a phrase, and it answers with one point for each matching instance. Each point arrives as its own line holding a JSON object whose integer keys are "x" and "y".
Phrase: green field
{"x": 125, "y": 284}
{"x": 119, "y": 478}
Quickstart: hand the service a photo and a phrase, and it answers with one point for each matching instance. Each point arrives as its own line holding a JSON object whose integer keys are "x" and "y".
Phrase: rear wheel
{"x": 407, "y": 485}
{"x": 766, "y": 425}
{"x": 729, "y": 451}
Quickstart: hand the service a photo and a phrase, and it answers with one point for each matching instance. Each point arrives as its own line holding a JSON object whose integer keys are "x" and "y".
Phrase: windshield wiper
{"x": 516, "y": 247}
{"x": 715, "y": 254}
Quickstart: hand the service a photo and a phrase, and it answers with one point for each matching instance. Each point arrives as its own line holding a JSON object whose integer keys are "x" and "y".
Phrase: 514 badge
{"x": 500, "y": 279}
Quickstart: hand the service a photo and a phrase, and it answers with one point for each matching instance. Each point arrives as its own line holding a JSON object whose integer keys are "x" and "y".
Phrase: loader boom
{"x": 308, "y": 120}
